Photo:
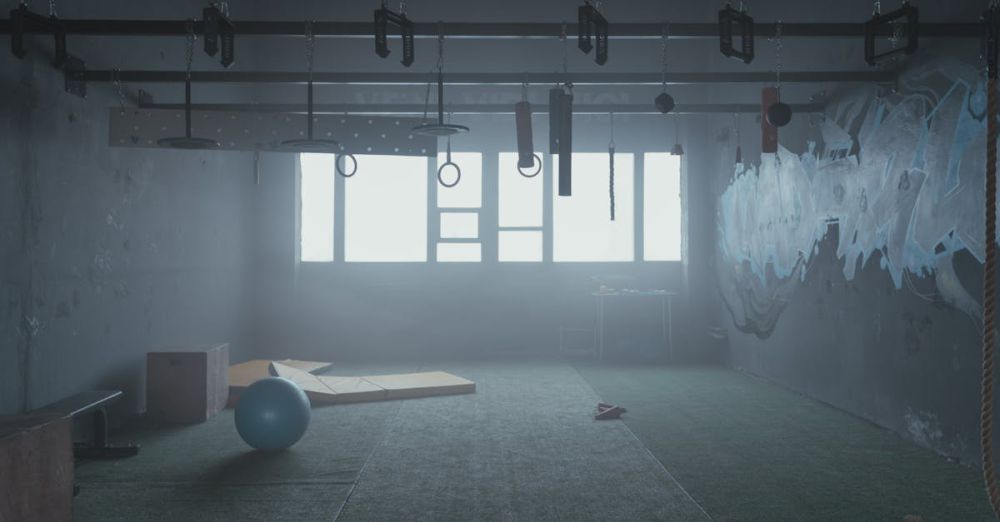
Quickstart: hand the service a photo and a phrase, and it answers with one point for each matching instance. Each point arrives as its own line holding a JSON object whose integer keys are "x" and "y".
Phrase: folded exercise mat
{"x": 340, "y": 390}
{"x": 244, "y": 374}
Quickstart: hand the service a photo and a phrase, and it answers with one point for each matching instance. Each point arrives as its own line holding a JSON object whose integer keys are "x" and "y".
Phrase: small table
{"x": 666, "y": 314}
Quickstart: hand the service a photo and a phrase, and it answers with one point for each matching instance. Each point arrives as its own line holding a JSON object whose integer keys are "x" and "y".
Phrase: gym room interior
{"x": 444, "y": 260}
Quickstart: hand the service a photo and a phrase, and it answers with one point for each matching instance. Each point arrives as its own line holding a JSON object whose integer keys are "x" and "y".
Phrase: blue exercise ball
{"x": 272, "y": 414}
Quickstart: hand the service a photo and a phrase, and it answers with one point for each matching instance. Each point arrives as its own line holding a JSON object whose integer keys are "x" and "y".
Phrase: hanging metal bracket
{"x": 74, "y": 76}
{"x": 383, "y": 17}
{"x": 901, "y": 23}
{"x": 730, "y": 19}
{"x": 592, "y": 24}
{"x": 218, "y": 27}
{"x": 21, "y": 18}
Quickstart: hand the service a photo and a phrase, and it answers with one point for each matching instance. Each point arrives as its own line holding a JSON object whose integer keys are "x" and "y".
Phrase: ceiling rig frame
{"x": 481, "y": 31}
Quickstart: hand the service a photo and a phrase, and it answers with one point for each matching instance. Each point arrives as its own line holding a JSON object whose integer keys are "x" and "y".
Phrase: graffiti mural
{"x": 900, "y": 175}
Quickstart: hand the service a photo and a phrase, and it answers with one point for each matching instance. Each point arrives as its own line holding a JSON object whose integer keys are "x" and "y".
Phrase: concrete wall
{"x": 850, "y": 264}
{"x": 107, "y": 253}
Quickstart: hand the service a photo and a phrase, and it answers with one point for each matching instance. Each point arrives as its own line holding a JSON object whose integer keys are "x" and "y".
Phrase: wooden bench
{"x": 95, "y": 403}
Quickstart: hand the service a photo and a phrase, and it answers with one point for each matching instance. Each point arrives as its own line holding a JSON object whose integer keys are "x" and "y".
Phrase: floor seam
{"x": 646, "y": 449}
{"x": 364, "y": 467}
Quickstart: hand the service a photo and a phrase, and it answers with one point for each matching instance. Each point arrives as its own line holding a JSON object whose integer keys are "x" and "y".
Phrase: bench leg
{"x": 102, "y": 448}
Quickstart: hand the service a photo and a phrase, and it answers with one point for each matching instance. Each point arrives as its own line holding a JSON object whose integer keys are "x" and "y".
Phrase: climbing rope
{"x": 989, "y": 295}
{"x": 611, "y": 167}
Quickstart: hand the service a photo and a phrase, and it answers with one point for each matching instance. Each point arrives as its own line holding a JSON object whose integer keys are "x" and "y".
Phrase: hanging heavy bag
{"x": 525, "y": 141}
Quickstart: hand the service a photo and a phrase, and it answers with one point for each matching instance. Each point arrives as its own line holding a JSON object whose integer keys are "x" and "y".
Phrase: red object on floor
{"x": 608, "y": 411}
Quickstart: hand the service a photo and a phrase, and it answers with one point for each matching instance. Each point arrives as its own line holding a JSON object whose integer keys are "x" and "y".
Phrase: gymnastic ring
{"x": 341, "y": 170}
{"x": 457, "y": 171}
{"x": 538, "y": 163}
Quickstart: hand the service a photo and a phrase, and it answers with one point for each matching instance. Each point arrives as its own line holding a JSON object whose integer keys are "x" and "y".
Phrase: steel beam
{"x": 475, "y": 109}
{"x": 374, "y": 78}
{"x": 484, "y": 31}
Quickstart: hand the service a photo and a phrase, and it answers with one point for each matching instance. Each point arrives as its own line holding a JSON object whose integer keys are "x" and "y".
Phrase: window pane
{"x": 459, "y": 225}
{"x": 520, "y": 245}
{"x": 459, "y": 252}
{"x": 582, "y": 228}
{"x": 317, "y": 207}
{"x": 520, "y": 197}
{"x": 385, "y": 210}
{"x": 662, "y": 207}
{"x": 469, "y": 191}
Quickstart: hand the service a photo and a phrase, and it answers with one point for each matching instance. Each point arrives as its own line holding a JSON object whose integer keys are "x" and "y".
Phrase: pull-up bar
{"x": 484, "y": 31}
{"x": 382, "y": 78}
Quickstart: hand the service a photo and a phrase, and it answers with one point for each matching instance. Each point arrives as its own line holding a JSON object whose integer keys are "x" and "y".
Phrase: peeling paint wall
{"x": 107, "y": 253}
{"x": 851, "y": 270}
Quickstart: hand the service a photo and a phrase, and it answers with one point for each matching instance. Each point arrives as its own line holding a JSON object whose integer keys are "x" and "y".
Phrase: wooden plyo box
{"x": 36, "y": 468}
{"x": 187, "y": 384}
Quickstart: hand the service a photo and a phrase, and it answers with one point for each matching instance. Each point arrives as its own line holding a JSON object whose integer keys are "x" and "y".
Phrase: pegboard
{"x": 357, "y": 134}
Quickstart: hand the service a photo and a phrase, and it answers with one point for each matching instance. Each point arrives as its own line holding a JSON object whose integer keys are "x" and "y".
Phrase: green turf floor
{"x": 697, "y": 443}
{"x": 746, "y": 449}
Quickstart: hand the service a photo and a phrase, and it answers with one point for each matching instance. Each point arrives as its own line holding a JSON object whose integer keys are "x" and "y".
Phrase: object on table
{"x": 187, "y": 384}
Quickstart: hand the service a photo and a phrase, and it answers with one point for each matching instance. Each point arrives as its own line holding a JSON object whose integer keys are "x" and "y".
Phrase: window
{"x": 316, "y": 240}
{"x": 582, "y": 227}
{"x": 661, "y": 207}
{"x": 459, "y": 252}
{"x": 459, "y": 225}
{"x": 467, "y": 197}
{"x": 469, "y": 191}
{"x": 520, "y": 245}
{"x": 385, "y": 210}
{"x": 520, "y": 212}
{"x": 520, "y": 197}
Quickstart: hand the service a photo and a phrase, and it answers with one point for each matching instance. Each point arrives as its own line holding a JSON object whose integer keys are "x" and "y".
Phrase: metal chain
{"x": 190, "y": 48}
{"x": 777, "y": 37}
{"x": 565, "y": 53}
{"x": 117, "y": 82}
{"x": 878, "y": 8}
{"x": 52, "y": 8}
{"x": 310, "y": 48}
{"x": 427, "y": 98}
{"x": 663, "y": 73}
{"x": 440, "y": 62}
{"x": 402, "y": 7}
{"x": 223, "y": 7}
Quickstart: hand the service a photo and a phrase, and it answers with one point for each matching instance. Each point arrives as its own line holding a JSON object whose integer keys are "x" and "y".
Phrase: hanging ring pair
{"x": 446, "y": 164}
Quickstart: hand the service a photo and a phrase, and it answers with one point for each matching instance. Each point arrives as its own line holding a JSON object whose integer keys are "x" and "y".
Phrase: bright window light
{"x": 316, "y": 239}
{"x": 459, "y": 225}
{"x": 469, "y": 191}
{"x": 582, "y": 228}
{"x": 662, "y": 207}
{"x": 520, "y": 197}
{"x": 385, "y": 210}
{"x": 459, "y": 252}
{"x": 520, "y": 246}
